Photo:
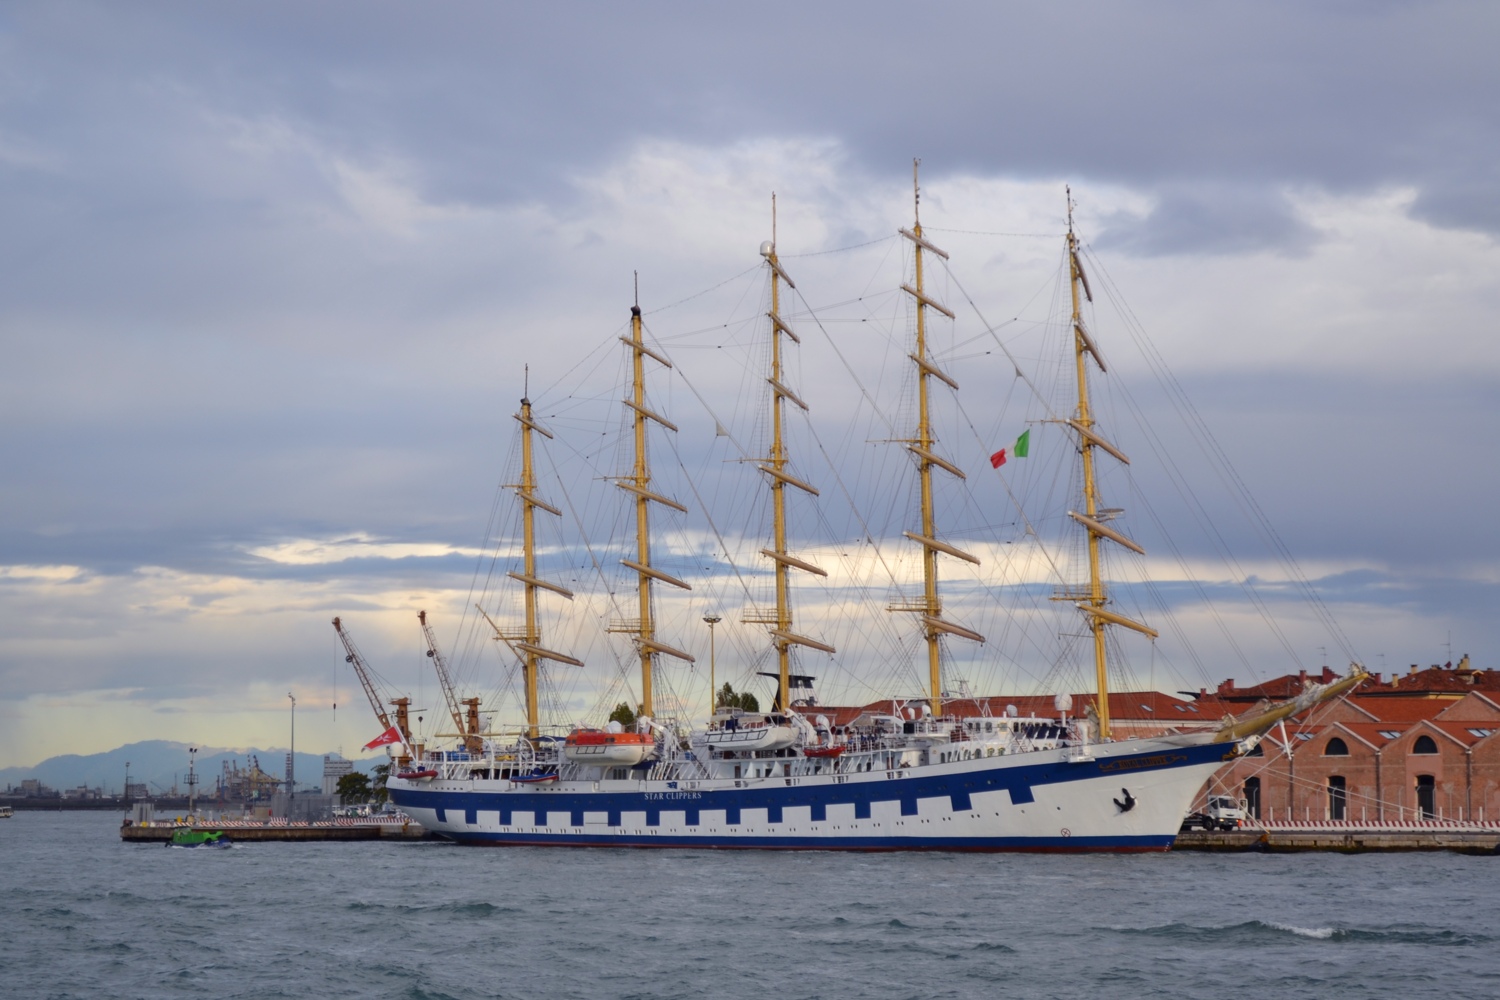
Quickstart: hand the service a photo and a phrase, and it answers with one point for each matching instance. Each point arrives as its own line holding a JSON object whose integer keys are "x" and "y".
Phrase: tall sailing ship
{"x": 912, "y": 779}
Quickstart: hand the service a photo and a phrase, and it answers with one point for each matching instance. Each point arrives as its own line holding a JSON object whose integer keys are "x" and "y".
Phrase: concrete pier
{"x": 1348, "y": 837}
{"x": 159, "y": 832}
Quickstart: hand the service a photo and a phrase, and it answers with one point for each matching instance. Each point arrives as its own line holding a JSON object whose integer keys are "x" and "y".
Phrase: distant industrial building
{"x": 334, "y": 768}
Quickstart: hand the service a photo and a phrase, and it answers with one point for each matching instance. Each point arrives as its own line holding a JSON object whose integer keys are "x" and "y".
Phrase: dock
{"x": 1349, "y": 837}
{"x": 158, "y": 832}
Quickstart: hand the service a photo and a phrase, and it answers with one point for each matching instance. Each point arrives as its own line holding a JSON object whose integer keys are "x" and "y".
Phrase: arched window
{"x": 1338, "y": 748}
{"x": 1424, "y": 744}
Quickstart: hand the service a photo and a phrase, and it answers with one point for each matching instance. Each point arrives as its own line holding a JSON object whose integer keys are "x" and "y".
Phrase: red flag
{"x": 997, "y": 459}
{"x": 391, "y": 735}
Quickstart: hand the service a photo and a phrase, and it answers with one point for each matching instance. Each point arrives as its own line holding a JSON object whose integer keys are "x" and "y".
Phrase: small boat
{"x": 612, "y": 747}
{"x": 749, "y": 732}
{"x": 187, "y": 836}
{"x": 6, "y": 812}
{"x": 830, "y": 751}
{"x": 535, "y": 777}
{"x": 420, "y": 774}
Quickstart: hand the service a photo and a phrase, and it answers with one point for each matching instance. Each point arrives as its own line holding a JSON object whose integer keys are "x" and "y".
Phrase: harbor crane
{"x": 465, "y": 711}
{"x": 402, "y": 705}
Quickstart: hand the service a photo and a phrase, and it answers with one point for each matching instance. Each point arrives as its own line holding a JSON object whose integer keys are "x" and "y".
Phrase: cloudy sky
{"x": 271, "y": 272}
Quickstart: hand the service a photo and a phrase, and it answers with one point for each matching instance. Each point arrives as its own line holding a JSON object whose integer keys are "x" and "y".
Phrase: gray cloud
{"x": 495, "y": 104}
{"x": 269, "y": 271}
{"x": 1210, "y": 220}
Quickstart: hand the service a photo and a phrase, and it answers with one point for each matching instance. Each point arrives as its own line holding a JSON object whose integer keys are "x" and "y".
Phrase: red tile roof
{"x": 1402, "y": 710}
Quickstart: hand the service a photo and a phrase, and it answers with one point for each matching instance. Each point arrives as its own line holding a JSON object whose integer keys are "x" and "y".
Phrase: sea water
{"x": 84, "y": 915}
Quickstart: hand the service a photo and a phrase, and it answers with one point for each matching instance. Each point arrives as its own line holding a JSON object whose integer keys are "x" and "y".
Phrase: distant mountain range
{"x": 160, "y": 763}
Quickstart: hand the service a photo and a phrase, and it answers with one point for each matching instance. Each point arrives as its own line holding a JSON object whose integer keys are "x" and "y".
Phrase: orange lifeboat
{"x": 602, "y": 748}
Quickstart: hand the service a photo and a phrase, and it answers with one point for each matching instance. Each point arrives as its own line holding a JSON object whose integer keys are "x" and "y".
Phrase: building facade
{"x": 1422, "y": 747}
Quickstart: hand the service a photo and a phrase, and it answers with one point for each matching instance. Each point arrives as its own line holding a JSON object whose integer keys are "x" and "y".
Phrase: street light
{"x": 127, "y": 784}
{"x": 192, "y": 781}
{"x": 291, "y": 758}
{"x": 713, "y": 693}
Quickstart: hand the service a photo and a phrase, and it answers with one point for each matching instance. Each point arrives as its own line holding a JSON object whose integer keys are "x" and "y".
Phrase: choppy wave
{"x": 1260, "y": 931}
{"x": 378, "y": 921}
{"x": 471, "y": 910}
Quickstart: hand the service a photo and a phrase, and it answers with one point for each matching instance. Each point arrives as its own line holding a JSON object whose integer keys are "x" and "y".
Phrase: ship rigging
{"x": 787, "y": 778}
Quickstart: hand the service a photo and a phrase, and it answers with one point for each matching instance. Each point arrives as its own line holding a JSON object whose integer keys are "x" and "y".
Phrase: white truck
{"x": 1220, "y": 812}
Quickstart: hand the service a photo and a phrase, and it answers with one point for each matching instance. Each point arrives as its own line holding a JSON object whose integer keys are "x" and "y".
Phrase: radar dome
{"x": 767, "y": 248}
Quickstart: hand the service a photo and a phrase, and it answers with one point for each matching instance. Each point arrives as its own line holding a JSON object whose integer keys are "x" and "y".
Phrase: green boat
{"x": 186, "y": 836}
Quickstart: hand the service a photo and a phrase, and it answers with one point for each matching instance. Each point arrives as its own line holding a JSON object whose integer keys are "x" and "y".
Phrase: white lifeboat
{"x": 608, "y": 747}
{"x": 750, "y": 732}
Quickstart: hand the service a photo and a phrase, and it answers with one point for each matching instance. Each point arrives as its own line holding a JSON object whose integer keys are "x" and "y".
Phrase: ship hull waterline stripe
{"x": 881, "y": 845}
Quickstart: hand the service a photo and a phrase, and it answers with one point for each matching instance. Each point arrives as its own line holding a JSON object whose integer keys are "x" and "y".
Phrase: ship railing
{"x": 970, "y": 750}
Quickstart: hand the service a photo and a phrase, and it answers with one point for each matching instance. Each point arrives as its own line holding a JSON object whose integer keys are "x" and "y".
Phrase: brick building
{"x": 1420, "y": 746}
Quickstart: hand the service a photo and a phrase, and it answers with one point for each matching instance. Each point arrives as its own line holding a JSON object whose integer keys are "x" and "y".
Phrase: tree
{"x": 354, "y": 787}
{"x": 382, "y": 772}
{"x": 743, "y": 700}
{"x": 623, "y": 715}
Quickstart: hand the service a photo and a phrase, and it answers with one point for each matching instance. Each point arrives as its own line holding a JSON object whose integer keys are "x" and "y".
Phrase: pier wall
{"x": 160, "y": 832}
{"x": 1350, "y": 837}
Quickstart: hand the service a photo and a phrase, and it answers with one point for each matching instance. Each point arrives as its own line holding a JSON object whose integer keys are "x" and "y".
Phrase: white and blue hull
{"x": 1127, "y": 796}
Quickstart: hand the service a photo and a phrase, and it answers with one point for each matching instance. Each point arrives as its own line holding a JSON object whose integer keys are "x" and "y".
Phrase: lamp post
{"x": 192, "y": 780}
{"x": 127, "y": 784}
{"x": 291, "y": 758}
{"x": 713, "y": 693}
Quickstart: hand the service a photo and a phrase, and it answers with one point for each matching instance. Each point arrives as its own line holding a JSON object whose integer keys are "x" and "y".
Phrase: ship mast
{"x": 930, "y": 607}
{"x": 638, "y": 483}
{"x": 528, "y": 642}
{"x": 774, "y": 466}
{"x": 1093, "y": 519}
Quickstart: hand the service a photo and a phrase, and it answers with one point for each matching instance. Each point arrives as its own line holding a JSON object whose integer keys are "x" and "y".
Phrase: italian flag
{"x": 1019, "y": 450}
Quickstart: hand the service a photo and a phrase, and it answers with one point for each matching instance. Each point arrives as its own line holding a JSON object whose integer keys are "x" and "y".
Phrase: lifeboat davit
{"x": 602, "y": 748}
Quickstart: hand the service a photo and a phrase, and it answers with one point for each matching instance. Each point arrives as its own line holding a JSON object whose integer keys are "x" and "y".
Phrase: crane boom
{"x": 354, "y": 659}
{"x": 440, "y": 666}
{"x": 357, "y": 661}
{"x": 445, "y": 681}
